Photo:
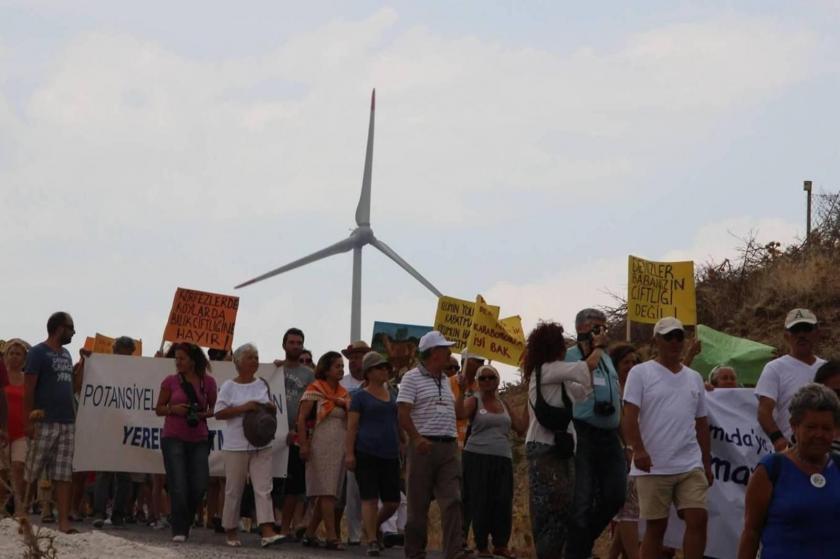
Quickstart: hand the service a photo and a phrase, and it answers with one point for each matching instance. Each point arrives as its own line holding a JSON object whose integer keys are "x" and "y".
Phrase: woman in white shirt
{"x": 237, "y": 397}
{"x": 551, "y": 478}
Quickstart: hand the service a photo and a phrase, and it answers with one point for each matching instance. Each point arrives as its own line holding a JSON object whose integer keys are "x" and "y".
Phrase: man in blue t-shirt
{"x": 600, "y": 465}
{"x": 49, "y": 386}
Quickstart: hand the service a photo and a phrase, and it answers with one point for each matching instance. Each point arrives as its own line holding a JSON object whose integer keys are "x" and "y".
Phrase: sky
{"x": 523, "y": 151}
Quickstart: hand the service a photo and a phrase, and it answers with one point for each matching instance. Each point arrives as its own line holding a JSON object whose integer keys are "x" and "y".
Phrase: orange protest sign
{"x": 201, "y": 318}
{"x": 105, "y": 344}
{"x": 88, "y": 343}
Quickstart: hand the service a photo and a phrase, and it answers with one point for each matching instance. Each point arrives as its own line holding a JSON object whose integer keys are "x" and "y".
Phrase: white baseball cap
{"x": 433, "y": 339}
{"x": 799, "y": 316}
{"x": 667, "y": 324}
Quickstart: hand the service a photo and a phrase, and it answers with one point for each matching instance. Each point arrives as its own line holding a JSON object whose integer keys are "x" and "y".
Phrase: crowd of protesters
{"x": 611, "y": 440}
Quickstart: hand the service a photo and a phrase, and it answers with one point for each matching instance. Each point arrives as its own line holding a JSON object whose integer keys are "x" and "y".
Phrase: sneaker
{"x": 272, "y": 540}
{"x": 179, "y": 538}
{"x": 373, "y": 549}
{"x": 392, "y": 539}
{"x": 98, "y": 522}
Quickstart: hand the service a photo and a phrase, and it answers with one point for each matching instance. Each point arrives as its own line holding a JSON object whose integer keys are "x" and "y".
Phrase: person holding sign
{"x": 792, "y": 506}
{"x": 243, "y": 394}
{"x": 666, "y": 427}
{"x": 186, "y": 400}
{"x": 782, "y": 377}
{"x": 488, "y": 461}
{"x": 600, "y": 466}
{"x": 553, "y": 386}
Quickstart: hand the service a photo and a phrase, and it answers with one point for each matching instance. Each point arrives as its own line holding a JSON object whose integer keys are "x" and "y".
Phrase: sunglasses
{"x": 678, "y": 335}
{"x": 306, "y": 361}
{"x": 486, "y": 377}
{"x": 802, "y": 328}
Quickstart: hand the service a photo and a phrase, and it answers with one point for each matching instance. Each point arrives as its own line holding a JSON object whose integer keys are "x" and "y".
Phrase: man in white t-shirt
{"x": 666, "y": 427}
{"x": 783, "y": 377}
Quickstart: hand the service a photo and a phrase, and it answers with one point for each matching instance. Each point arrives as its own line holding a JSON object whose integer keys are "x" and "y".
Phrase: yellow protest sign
{"x": 453, "y": 319}
{"x": 513, "y": 325}
{"x": 105, "y": 344}
{"x": 491, "y": 339}
{"x": 659, "y": 289}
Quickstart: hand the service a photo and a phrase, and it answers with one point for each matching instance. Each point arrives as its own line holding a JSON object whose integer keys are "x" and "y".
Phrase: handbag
{"x": 555, "y": 419}
{"x": 260, "y": 425}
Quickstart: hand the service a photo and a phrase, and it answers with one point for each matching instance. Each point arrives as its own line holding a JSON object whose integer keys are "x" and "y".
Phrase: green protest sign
{"x": 746, "y": 356}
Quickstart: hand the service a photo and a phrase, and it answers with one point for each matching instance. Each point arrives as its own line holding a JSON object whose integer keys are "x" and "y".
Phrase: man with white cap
{"x": 427, "y": 415}
{"x": 783, "y": 377}
{"x": 667, "y": 429}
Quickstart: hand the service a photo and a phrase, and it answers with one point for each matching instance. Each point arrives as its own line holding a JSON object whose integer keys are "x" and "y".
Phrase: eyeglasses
{"x": 486, "y": 377}
{"x": 802, "y": 328}
{"x": 678, "y": 335}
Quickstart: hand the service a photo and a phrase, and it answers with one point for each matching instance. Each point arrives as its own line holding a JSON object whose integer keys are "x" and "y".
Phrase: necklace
{"x": 817, "y": 479}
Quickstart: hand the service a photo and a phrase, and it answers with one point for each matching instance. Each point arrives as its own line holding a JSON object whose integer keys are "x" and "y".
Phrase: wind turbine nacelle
{"x": 362, "y": 235}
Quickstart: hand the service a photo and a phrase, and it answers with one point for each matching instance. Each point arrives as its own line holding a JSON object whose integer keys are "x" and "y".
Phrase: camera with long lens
{"x": 604, "y": 408}
{"x": 192, "y": 415}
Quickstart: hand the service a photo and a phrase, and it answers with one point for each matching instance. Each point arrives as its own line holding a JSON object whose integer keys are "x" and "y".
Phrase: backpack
{"x": 555, "y": 419}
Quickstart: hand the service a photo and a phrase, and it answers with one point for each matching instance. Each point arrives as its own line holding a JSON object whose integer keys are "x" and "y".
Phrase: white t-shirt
{"x": 669, "y": 403}
{"x": 349, "y": 382}
{"x": 235, "y": 394}
{"x": 575, "y": 376}
{"x": 780, "y": 380}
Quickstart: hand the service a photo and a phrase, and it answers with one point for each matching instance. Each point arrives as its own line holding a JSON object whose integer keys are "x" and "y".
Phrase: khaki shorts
{"x": 658, "y": 493}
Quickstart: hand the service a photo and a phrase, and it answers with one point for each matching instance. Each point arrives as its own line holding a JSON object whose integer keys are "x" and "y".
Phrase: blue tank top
{"x": 802, "y": 520}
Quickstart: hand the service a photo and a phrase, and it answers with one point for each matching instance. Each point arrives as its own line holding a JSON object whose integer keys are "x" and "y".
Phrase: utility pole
{"x": 807, "y": 188}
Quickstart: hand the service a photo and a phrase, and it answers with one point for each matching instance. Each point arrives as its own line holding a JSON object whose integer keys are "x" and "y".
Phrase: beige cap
{"x": 800, "y": 316}
{"x": 667, "y": 324}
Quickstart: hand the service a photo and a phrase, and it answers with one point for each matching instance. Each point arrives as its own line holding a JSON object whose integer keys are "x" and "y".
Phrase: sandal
{"x": 504, "y": 552}
{"x": 70, "y": 531}
{"x": 233, "y": 543}
{"x": 334, "y": 545}
{"x": 309, "y": 541}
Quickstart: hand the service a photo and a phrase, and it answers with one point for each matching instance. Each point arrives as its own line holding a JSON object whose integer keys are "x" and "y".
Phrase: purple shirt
{"x": 175, "y": 426}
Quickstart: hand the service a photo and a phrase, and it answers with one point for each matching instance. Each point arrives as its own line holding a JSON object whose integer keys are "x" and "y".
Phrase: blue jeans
{"x": 122, "y": 494}
{"x": 600, "y": 487}
{"x": 187, "y": 474}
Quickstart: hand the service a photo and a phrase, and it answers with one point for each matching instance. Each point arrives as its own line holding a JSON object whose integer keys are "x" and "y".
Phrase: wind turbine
{"x": 361, "y": 236}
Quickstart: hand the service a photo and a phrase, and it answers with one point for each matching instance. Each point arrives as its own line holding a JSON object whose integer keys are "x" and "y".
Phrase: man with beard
{"x": 49, "y": 385}
{"x": 297, "y": 378}
{"x": 783, "y": 377}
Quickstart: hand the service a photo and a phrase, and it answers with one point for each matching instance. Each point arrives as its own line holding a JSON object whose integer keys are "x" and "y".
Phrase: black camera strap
{"x": 189, "y": 390}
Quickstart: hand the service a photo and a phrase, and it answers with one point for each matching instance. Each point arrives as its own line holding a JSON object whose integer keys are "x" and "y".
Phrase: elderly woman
{"x": 14, "y": 456}
{"x": 488, "y": 460}
{"x": 186, "y": 399}
{"x": 551, "y": 461}
{"x": 323, "y": 452}
{"x": 723, "y": 376}
{"x": 237, "y": 397}
{"x": 793, "y": 497}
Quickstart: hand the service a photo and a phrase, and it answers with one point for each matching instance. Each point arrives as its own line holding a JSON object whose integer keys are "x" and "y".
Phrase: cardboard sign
{"x": 490, "y": 338}
{"x": 89, "y": 343}
{"x": 105, "y": 344}
{"x": 513, "y": 325}
{"x": 398, "y": 342}
{"x": 659, "y": 289}
{"x": 201, "y": 318}
{"x": 453, "y": 319}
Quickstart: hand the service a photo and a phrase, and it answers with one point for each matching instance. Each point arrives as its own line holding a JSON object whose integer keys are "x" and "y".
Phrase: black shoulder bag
{"x": 189, "y": 390}
{"x": 555, "y": 419}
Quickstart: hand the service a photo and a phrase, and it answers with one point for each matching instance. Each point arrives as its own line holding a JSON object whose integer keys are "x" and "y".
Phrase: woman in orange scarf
{"x": 323, "y": 450}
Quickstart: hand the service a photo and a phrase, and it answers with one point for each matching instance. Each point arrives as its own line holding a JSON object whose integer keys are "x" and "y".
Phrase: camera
{"x": 192, "y": 416}
{"x": 604, "y": 408}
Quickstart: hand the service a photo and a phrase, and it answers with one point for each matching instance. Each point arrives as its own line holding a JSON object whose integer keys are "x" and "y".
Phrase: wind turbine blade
{"x": 363, "y": 209}
{"x": 337, "y": 248}
{"x": 389, "y": 252}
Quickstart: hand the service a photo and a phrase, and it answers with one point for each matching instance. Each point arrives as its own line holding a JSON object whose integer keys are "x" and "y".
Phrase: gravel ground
{"x": 203, "y": 544}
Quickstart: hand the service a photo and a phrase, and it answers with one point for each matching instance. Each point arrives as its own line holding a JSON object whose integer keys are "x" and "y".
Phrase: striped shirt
{"x": 432, "y": 401}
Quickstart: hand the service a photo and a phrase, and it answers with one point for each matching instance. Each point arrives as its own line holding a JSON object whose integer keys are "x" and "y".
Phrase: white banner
{"x": 738, "y": 443}
{"x": 116, "y": 426}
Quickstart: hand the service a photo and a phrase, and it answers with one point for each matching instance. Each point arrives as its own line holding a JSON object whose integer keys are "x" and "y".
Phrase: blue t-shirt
{"x": 802, "y": 519}
{"x": 54, "y": 388}
{"x": 605, "y": 388}
{"x": 378, "y": 433}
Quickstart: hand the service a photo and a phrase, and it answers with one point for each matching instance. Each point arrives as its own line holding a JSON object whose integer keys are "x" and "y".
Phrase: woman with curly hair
{"x": 553, "y": 387}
